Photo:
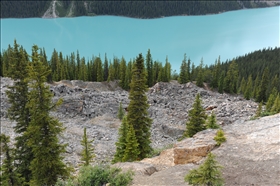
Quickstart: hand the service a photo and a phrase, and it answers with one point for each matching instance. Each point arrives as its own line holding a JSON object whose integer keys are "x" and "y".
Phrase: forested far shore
{"x": 136, "y": 9}
{"x": 255, "y": 75}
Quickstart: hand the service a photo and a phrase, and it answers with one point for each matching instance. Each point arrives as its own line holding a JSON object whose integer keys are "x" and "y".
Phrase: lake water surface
{"x": 228, "y": 34}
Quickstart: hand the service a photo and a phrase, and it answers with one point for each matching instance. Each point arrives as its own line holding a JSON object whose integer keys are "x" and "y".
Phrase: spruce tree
{"x": 9, "y": 176}
{"x": 209, "y": 173}
{"x": 99, "y": 69}
{"x": 271, "y": 100}
{"x": 249, "y": 88}
{"x": 216, "y": 74}
{"x": 149, "y": 66}
{"x": 88, "y": 150}
{"x": 131, "y": 152}
{"x": 276, "y": 106}
{"x": 43, "y": 130}
{"x": 212, "y": 122}
{"x": 230, "y": 82}
{"x": 122, "y": 73}
{"x": 128, "y": 75}
{"x": 259, "y": 110}
{"x": 138, "y": 108}
{"x": 261, "y": 93}
{"x": 17, "y": 96}
{"x": 121, "y": 143}
{"x": 106, "y": 68}
{"x": 197, "y": 118}
{"x": 183, "y": 71}
{"x": 221, "y": 83}
{"x": 200, "y": 75}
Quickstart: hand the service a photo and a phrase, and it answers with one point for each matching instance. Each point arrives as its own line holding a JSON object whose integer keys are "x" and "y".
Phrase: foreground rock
{"x": 250, "y": 156}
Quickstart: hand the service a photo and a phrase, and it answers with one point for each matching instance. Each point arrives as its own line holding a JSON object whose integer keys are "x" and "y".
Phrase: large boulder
{"x": 192, "y": 150}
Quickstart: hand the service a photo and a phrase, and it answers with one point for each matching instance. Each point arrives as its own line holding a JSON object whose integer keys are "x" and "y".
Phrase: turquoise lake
{"x": 227, "y": 35}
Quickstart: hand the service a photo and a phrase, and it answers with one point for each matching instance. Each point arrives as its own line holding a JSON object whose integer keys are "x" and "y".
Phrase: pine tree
{"x": 259, "y": 110}
{"x": 99, "y": 69}
{"x": 183, "y": 71}
{"x": 221, "y": 83}
{"x": 209, "y": 173}
{"x": 256, "y": 86}
{"x": 122, "y": 73}
{"x": 128, "y": 75}
{"x": 216, "y": 74}
{"x": 43, "y": 130}
{"x": 106, "y": 68}
{"x": 271, "y": 100}
{"x": 261, "y": 93}
{"x": 111, "y": 76}
{"x": 220, "y": 137}
{"x": 121, "y": 143}
{"x": 276, "y": 106}
{"x": 88, "y": 150}
{"x": 9, "y": 176}
{"x": 231, "y": 78}
{"x": 242, "y": 86}
{"x": 17, "y": 96}
{"x": 212, "y": 122}
{"x": 249, "y": 88}
{"x": 197, "y": 118}
{"x": 137, "y": 109}
{"x": 200, "y": 75}
{"x": 131, "y": 151}
{"x": 120, "y": 112}
{"x": 149, "y": 66}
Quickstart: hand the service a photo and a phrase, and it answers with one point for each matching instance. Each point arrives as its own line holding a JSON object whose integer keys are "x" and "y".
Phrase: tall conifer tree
{"x": 149, "y": 66}
{"x": 17, "y": 95}
{"x": 183, "y": 71}
{"x": 138, "y": 108}
{"x": 261, "y": 93}
{"x": 43, "y": 130}
{"x": 200, "y": 75}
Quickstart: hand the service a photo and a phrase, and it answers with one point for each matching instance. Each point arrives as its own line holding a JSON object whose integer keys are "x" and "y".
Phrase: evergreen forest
{"x": 137, "y": 9}
{"x": 253, "y": 75}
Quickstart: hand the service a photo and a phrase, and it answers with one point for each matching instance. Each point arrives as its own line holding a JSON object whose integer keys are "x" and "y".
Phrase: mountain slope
{"x": 138, "y": 9}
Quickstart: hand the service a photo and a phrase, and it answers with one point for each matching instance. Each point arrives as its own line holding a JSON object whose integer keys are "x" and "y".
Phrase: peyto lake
{"x": 228, "y": 35}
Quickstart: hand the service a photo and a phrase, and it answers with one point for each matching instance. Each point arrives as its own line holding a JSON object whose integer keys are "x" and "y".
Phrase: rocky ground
{"x": 94, "y": 105}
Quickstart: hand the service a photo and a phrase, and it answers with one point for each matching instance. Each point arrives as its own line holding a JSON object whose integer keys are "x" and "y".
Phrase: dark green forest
{"x": 245, "y": 75}
{"x": 138, "y": 9}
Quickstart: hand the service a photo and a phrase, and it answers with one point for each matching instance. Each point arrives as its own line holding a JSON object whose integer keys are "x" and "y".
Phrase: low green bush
{"x": 98, "y": 176}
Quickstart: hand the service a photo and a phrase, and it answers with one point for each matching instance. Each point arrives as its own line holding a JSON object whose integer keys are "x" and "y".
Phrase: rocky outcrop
{"x": 94, "y": 105}
{"x": 189, "y": 150}
{"x": 192, "y": 150}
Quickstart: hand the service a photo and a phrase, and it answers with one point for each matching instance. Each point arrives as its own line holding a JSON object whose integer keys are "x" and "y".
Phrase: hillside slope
{"x": 138, "y": 9}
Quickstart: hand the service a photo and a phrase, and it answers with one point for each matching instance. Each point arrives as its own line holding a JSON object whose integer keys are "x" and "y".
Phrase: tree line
{"x": 253, "y": 75}
{"x": 74, "y": 67}
{"x": 138, "y": 9}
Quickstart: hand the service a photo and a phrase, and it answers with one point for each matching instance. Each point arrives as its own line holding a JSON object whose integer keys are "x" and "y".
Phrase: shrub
{"x": 209, "y": 173}
{"x": 99, "y": 175}
{"x": 220, "y": 137}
